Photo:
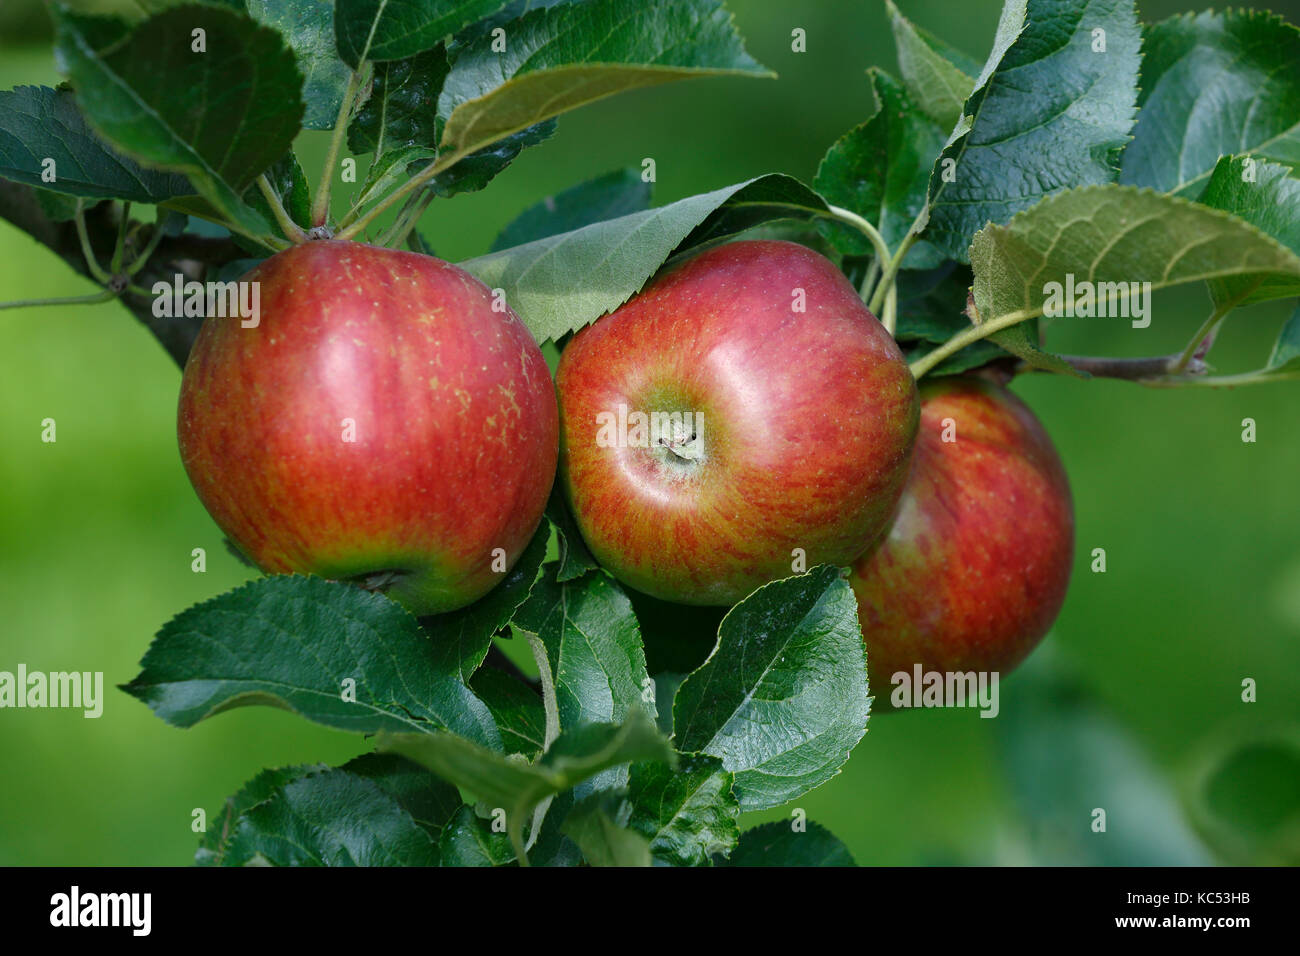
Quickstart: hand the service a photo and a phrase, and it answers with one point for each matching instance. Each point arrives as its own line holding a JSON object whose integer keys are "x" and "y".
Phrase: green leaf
{"x": 1019, "y": 341}
{"x": 593, "y": 645}
{"x": 561, "y": 57}
{"x": 1064, "y": 758}
{"x": 1110, "y": 234}
{"x": 934, "y": 82}
{"x": 575, "y": 559}
{"x": 222, "y": 824}
{"x": 330, "y": 818}
{"x": 38, "y": 123}
{"x": 783, "y": 697}
{"x": 881, "y": 171}
{"x": 932, "y": 303}
{"x": 599, "y": 826}
{"x": 1268, "y": 200}
{"x": 308, "y": 28}
{"x": 606, "y": 197}
{"x": 778, "y": 844}
{"x": 292, "y": 642}
{"x": 461, "y": 638}
{"x": 687, "y": 815}
{"x": 559, "y": 284}
{"x": 1214, "y": 84}
{"x": 469, "y": 840}
{"x": 402, "y": 110}
{"x": 517, "y": 709}
{"x": 220, "y": 118}
{"x": 509, "y": 782}
{"x": 379, "y": 30}
{"x": 975, "y": 355}
{"x": 431, "y": 802}
{"x": 476, "y": 170}
{"x": 1047, "y": 114}
{"x": 1286, "y": 350}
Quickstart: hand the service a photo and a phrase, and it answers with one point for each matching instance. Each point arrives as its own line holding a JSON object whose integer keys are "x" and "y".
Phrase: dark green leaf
{"x": 881, "y": 171}
{"x": 330, "y": 818}
{"x": 1214, "y": 84}
{"x": 470, "y": 840}
{"x": 932, "y": 304}
{"x": 292, "y": 642}
{"x": 599, "y": 826}
{"x": 1047, "y": 113}
{"x": 606, "y": 197}
{"x": 379, "y": 30}
{"x": 593, "y": 645}
{"x": 308, "y": 28}
{"x": 562, "y": 57}
{"x": 783, "y": 698}
{"x": 561, "y": 283}
{"x": 936, "y": 81}
{"x": 516, "y": 708}
{"x": 687, "y": 815}
{"x": 222, "y": 824}
{"x": 1267, "y": 197}
{"x": 220, "y": 117}
{"x": 575, "y": 559}
{"x": 779, "y": 844}
{"x": 431, "y": 802}
{"x": 38, "y": 123}
{"x": 403, "y": 106}
{"x": 476, "y": 170}
{"x": 461, "y": 638}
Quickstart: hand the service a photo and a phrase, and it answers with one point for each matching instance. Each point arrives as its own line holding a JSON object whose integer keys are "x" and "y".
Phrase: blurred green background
{"x": 1133, "y": 704}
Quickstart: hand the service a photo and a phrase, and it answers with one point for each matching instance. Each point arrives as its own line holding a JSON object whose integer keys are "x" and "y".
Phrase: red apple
{"x": 974, "y": 569}
{"x": 797, "y": 414}
{"x": 381, "y": 423}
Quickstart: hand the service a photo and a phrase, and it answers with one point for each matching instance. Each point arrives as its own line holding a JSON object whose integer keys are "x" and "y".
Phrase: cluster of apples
{"x": 388, "y": 422}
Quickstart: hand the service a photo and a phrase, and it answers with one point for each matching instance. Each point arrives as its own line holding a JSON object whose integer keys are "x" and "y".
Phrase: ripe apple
{"x": 381, "y": 424}
{"x": 975, "y": 567}
{"x": 795, "y": 415}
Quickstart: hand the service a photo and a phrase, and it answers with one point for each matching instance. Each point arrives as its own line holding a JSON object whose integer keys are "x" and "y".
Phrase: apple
{"x": 743, "y": 418}
{"x": 975, "y": 566}
{"x": 381, "y": 423}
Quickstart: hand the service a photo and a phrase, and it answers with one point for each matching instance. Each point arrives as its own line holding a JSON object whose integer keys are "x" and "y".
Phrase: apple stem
{"x": 1199, "y": 346}
{"x": 292, "y": 231}
{"x": 864, "y": 227}
{"x": 320, "y": 209}
{"x": 102, "y": 296}
{"x": 411, "y": 185}
{"x": 92, "y": 264}
{"x": 890, "y": 273}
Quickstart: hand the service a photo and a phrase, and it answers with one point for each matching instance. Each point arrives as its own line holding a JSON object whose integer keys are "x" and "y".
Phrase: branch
{"x": 186, "y": 254}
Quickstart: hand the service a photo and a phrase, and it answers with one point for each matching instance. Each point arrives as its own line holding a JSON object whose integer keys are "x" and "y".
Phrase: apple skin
{"x": 808, "y": 422}
{"x": 456, "y": 430}
{"x": 975, "y": 567}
